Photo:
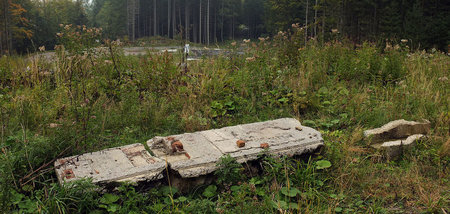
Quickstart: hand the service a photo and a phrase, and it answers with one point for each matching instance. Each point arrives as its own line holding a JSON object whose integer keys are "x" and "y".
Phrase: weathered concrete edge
{"x": 395, "y": 148}
{"x": 396, "y": 130}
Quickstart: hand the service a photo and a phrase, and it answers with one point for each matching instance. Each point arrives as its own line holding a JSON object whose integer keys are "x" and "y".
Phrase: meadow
{"x": 84, "y": 100}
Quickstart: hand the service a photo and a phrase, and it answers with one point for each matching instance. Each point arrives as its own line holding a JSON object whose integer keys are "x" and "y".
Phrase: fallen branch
{"x": 41, "y": 167}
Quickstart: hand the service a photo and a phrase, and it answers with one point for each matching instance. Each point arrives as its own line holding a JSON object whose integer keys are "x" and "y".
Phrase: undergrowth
{"x": 89, "y": 98}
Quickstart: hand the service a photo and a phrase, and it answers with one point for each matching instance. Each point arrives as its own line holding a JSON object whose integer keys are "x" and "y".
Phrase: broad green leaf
{"x": 210, "y": 191}
{"x": 235, "y": 188}
{"x": 280, "y": 204}
{"x": 109, "y": 198}
{"x": 182, "y": 199}
{"x": 323, "y": 164}
{"x": 167, "y": 190}
{"x": 293, "y": 206}
{"x": 292, "y": 192}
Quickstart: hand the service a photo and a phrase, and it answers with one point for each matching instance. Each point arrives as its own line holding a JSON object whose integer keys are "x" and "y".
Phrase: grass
{"x": 84, "y": 101}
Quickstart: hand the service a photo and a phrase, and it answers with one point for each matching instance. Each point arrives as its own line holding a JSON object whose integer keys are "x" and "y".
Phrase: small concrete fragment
{"x": 127, "y": 163}
{"x": 396, "y": 130}
{"x": 397, "y": 147}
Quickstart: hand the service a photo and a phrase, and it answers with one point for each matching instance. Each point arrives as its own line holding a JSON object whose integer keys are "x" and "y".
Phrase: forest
{"x": 78, "y": 77}
{"x": 29, "y": 24}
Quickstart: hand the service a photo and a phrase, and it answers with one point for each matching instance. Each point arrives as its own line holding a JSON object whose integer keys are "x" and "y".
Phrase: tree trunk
{"x": 174, "y": 20}
{"x": 168, "y": 18}
{"x": 323, "y": 25}
{"x": 215, "y": 23}
{"x": 186, "y": 20}
{"x": 155, "y": 32}
{"x": 200, "y": 23}
{"x": 315, "y": 20}
{"x": 306, "y": 21}
{"x": 207, "y": 24}
{"x": 221, "y": 27}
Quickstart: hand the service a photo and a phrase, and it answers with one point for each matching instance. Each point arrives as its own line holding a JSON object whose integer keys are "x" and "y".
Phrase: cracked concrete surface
{"x": 124, "y": 163}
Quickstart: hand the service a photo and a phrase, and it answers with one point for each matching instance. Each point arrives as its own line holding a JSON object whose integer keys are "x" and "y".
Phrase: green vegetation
{"x": 87, "y": 99}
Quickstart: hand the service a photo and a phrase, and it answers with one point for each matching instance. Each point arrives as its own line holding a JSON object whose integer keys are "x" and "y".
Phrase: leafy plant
{"x": 229, "y": 170}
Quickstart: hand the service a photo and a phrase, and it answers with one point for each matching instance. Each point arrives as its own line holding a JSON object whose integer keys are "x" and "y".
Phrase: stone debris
{"x": 397, "y": 129}
{"x": 397, "y": 136}
{"x": 264, "y": 145}
{"x": 240, "y": 143}
{"x": 397, "y": 147}
{"x": 191, "y": 155}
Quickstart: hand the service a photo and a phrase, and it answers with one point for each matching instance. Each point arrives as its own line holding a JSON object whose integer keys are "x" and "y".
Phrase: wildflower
{"x": 59, "y": 34}
{"x": 334, "y": 30}
{"x": 67, "y": 27}
{"x": 61, "y": 25}
{"x": 233, "y": 43}
{"x": 42, "y": 48}
{"x": 246, "y": 40}
{"x": 261, "y": 39}
{"x": 296, "y": 25}
{"x": 404, "y": 40}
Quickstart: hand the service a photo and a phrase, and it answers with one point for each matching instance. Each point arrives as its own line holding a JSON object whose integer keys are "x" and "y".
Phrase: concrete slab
{"x": 127, "y": 163}
{"x": 190, "y": 155}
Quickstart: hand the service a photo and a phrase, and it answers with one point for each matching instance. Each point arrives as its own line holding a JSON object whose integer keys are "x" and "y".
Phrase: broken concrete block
{"x": 395, "y": 148}
{"x": 396, "y": 130}
{"x": 200, "y": 159}
{"x": 127, "y": 163}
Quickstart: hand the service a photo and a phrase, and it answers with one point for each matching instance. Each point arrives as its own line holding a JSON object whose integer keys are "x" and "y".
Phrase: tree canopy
{"x": 27, "y": 24}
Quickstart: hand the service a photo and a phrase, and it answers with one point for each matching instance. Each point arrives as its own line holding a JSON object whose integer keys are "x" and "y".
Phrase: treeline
{"x": 28, "y": 24}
